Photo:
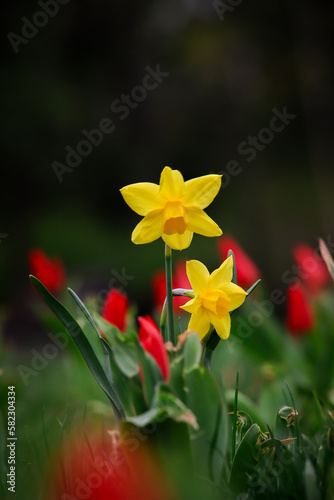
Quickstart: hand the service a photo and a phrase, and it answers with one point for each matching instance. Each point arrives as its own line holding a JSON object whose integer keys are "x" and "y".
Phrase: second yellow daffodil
{"x": 215, "y": 297}
{"x": 173, "y": 209}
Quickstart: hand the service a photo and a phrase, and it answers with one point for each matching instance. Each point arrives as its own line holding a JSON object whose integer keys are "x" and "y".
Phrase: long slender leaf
{"x": 121, "y": 381}
{"x": 82, "y": 343}
{"x": 107, "y": 367}
{"x": 123, "y": 347}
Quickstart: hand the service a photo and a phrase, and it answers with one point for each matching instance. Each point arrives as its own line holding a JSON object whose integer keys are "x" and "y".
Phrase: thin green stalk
{"x": 169, "y": 294}
{"x": 235, "y": 416}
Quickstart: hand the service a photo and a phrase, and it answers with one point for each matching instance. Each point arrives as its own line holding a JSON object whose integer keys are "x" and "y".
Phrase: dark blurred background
{"x": 228, "y": 68}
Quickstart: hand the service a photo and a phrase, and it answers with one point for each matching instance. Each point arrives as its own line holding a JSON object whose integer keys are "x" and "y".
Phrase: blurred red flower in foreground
{"x": 311, "y": 268}
{"x": 300, "y": 316}
{"x": 49, "y": 271}
{"x": 108, "y": 469}
{"x": 180, "y": 280}
{"x": 153, "y": 343}
{"x": 115, "y": 309}
{"x": 247, "y": 271}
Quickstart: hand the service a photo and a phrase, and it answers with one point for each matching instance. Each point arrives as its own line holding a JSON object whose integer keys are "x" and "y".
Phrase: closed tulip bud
{"x": 153, "y": 343}
{"x": 115, "y": 309}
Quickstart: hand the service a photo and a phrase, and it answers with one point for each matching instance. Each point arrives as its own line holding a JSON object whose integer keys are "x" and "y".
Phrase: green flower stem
{"x": 209, "y": 348}
{"x": 177, "y": 292}
{"x": 169, "y": 294}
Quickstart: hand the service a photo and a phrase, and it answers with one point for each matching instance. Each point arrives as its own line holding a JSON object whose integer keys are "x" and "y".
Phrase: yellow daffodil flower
{"x": 173, "y": 209}
{"x": 215, "y": 297}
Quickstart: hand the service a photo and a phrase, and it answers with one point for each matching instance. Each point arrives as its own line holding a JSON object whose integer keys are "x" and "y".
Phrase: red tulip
{"x": 153, "y": 343}
{"x": 180, "y": 280}
{"x": 115, "y": 309}
{"x": 159, "y": 289}
{"x": 311, "y": 268}
{"x": 247, "y": 271}
{"x": 99, "y": 469}
{"x": 49, "y": 271}
{"x": 300, "y": 316}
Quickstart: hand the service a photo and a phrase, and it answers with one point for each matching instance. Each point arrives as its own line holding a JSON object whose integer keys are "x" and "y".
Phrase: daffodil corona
{"x": 173, "y": 209}
{"x": 215, "y": 297}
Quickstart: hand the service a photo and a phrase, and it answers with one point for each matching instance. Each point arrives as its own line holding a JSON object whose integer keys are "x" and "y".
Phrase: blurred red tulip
{"x": 247, "y": 271}
{"x": 159, "y": 289}
{"x": 49, "y": 271}
{"x": 115, "y": 309}
{"x": 300, "y": 315}
{"x": 180, "y": 280}
{"x": 107, "y": 469}
{"x": 311, "y": 268}
{"x": 153, "y": 343}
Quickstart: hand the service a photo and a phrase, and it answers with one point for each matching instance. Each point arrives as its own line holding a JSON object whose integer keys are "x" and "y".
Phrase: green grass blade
{"x": 235, "y": 416}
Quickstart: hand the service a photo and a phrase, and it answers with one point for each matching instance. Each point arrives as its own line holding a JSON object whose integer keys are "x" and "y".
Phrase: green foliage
{"x": 232, "y": 444}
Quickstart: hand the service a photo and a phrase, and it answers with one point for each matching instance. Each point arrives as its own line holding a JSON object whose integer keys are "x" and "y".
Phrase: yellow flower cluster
{"x": 174, "y": 211}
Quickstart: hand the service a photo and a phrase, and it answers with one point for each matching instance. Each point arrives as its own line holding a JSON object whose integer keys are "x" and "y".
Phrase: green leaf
{"x": 84, "y": 309}
{"x": 209, "y": 442}
{"x": 83, "y": 345}
{"x": 245, "y": 459}
{"x": 310, "y": 482}
{"x": 121, "y": 382}
{"x": 123, "y": 347}
{"x": 173, "y": 407}
{"x": 165, "y": 405}
{"x": 284, "y": 418}
{"x": 151, "y": 373}
{"x": 176, "y": 380}
{"x": 146, "y": 418}
{"x": 192, "y": 352}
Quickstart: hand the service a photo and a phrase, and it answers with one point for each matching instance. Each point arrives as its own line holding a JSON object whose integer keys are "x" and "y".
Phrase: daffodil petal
{"x": 199, "y": 322}
{"x": 221, "y": 325}
{"x": 178, "y": 241}
{"x": 236, "y": 294}
{"x": 198, "y": 276}
{"x": 142, "y": 197}
{"x": 223, "y": 275}
{"x": 201, "y": 223}
{"x": 149, "y": 228}
{"x": 171, "y": 184}
{"x": 192, "y": 305}
{"x": 201, "y": 191}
